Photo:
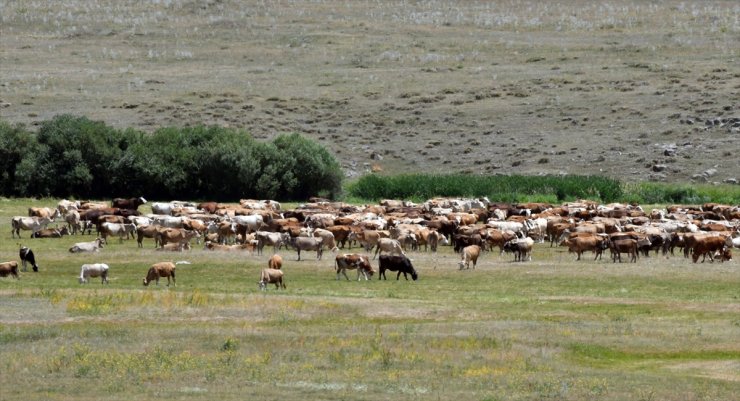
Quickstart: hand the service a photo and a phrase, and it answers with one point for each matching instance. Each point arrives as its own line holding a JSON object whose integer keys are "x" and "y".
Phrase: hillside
{"x": 630, "y": 89}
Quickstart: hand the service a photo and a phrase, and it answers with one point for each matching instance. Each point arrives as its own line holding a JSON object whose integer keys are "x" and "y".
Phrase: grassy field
{"x": 626, "y": 88}
{"x": 552, "y": 328}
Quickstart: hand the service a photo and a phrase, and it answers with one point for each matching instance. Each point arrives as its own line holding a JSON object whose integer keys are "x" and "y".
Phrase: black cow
{"x": 131, "y": 203}
{"x": 398, "y": 263}
{"x": 27, "y": 256}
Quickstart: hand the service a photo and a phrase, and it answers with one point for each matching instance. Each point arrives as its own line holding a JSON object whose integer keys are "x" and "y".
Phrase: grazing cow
{"x": 344, "y": 262}
{"x": 32, "y": 224}
{"x": 307, "y": 244}
{"x": 521, "y": 248}
{"x": 174, "y": 235}
{"x": 9, "y": 268}
{"x": 92, "y": 246}
{"x": 117, "y": 229}
{"x": 469, "y": 254}
{"x": 389, "y": 245}
{"x": 275, "y": 262}
{"x": 27, "y": 256}
{"x": 51, "y": 233}
{"x": 94, "y": 270}
{"x": 130, "y": 204}
{"x": 161, "y": 269}
{"x": 399, "y": 263}
{"x": 271, "y": 276}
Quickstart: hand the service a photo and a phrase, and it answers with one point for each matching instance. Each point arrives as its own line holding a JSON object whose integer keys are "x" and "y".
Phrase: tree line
{"x": 73, "y": 156}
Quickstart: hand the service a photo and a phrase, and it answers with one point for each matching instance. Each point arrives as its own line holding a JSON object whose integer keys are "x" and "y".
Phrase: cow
{"x": 498, "y": 238}
{"x": 32, "y": 224}
{"x": 250, "y": 224}
{"x": 9, "y": 269}
{"x": 161, "y": 269}
{"x": 399, "y": 263}
{"x": 341, "y": 234}
{"x": 275, "y": 262}
{"x": 270, "y": 238}
{"x": 271, "y": 276}
{"x": 92, "y": 246}
{"x": 307, "y": 244}
{"x": 51, "y": 233}
{"x": 41, "y": 212}
{"x": 388, "y": 245}
{"x": 709, "y": 246}
{"x": 27, "y": 256}
{"x": 65, "y": 206}
{"x": 623, "y": 245}
{"x": 469, "y": 254}
{"x": 130, "y": 204}
{"x": 117, "y": 229}
{"x": 175, "y": 247}
{"x": 94, "y": 270}
{"x": 174, "y": 235}
{"x": 434, "y": 239}
{"x": 589, "y": 242}
{"x": 72, "y": 218}
{"x": 327, "y": 237}
{"x": 344, "y": 262}
{"x": 521, "y": 248}
{"x": 142, "y": 232}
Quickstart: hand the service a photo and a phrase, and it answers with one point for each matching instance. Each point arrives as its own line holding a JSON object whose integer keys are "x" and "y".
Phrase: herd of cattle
{"x": 391, "y": 228}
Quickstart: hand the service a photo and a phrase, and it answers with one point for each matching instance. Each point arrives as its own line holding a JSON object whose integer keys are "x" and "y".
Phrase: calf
{"x": 161, "y": 269}
{"x": 271, "y": 276}
{"x": 399, "y": 263}
{"x": 9, "y": 268}
{"x": 94, "y": 270}
{"x": 26, "y": 255}
{"x": 92, "y": 246}
{"x": 469, "y": 254}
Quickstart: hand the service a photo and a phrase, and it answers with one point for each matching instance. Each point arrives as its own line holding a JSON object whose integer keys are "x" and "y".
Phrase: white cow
{"x": 73, "y": 221}
{"x": 28, "y": 223}
{"x": 94, "y": 270}
{"x": 270, "y": 238}
{"x": 253, "y": 222}
{"x": 92, "y": 246}
{"x": 164, "y": 208}
{"x": 117, "y": 229}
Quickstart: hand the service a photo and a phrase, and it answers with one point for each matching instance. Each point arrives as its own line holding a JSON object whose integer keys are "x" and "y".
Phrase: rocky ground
{"x": 636, "y": 90}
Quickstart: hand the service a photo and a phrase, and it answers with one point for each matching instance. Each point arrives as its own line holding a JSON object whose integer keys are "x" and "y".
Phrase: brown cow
{"x": 176, "y": 235}
{"x": 161, "y": 269}
{"x": 9, "y": 268}
{"x": 275, "y": 262}
{"x": 709, "y": 246}
{"x": 580, "y": 244}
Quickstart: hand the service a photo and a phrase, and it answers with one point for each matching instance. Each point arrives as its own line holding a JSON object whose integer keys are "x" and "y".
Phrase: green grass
{"x": 552, "y": 328}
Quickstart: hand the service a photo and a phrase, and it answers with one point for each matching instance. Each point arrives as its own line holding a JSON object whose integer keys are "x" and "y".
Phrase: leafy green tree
{"x": 17, "y": 150}
{"x": 316, "y": 171}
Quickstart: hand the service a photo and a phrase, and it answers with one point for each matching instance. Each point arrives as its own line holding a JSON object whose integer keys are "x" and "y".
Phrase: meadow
{"x": 552, "y": 328}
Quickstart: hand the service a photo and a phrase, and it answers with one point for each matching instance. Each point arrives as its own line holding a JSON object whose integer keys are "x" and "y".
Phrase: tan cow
{"x": 275, "y": 262}
{"x": 469, "y": 254}
{"x": 271, "y": 276}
